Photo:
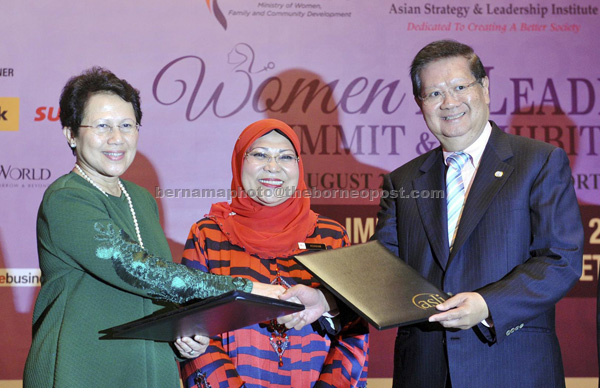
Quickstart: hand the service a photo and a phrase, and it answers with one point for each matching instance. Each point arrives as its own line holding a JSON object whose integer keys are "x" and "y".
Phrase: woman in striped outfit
{"x": 255, "y": 236}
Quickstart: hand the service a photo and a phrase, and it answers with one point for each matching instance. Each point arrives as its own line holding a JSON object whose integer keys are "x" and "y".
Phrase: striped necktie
{"x": 455, "y": 191}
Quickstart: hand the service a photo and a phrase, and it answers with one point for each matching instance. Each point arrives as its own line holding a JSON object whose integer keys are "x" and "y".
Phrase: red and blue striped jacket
{"x": 245, "y": 357}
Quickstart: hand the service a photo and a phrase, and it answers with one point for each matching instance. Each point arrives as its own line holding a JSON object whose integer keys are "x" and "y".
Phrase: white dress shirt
{"x": 474, "y": 151}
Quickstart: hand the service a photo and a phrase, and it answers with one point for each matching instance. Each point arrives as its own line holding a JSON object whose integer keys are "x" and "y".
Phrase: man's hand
{"x": 314, "y": 301}
{"x": 462, "y": 311}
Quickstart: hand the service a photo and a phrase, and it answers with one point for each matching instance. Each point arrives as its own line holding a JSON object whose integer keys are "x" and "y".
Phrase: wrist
{"x": 331, "y": 309}
{"x": 242, "y": 284}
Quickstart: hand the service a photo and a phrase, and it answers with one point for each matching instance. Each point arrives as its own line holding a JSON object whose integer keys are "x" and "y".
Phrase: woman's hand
{"x": 192, "y": 347}
{"x": 270, "y": 290}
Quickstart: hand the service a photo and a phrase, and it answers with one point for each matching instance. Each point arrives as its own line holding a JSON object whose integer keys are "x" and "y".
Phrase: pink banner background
{"x": 335, "y": 70}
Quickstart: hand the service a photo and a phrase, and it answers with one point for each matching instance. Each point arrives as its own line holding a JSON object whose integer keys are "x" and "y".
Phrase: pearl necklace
{"x": 122, "y": 187}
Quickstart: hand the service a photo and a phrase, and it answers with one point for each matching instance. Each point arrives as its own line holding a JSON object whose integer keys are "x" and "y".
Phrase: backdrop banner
{"x": 335, "y": 70}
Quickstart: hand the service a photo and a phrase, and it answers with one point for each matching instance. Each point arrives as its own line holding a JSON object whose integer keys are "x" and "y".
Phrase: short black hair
{"x": 439, "y": 50}
{"x": 80, "y": 88}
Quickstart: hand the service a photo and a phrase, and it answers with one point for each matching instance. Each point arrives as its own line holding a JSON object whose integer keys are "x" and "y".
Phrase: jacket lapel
{"x": 433, "y": 210}
{"x": 485, "y": 185}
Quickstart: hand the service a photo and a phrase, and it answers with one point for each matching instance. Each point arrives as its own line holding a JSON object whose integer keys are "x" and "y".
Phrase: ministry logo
{"x": 216, "y": 10}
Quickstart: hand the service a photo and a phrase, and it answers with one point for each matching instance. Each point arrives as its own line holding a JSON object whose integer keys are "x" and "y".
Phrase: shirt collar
{"x": 475, "y": 150}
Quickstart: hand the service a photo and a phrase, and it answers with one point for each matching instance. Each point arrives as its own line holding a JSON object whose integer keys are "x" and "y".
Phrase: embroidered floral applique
{"x": 163, "y": 279}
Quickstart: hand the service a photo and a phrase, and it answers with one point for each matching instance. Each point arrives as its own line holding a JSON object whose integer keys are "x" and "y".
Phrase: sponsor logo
{"x": 49, "y": 113}
{"x": 20, "y": 277}
{"x": 9, "y": 113}
{"x": 9, "y": 172}
{"x": 7, "y": 72}
{"x": 427, "y": 301}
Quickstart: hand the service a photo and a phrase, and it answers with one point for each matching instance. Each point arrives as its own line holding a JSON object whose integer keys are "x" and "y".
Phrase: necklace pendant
{"x": 279, "y": 338}
{"x": 280, "y": 281}
{"x": 200, "y": 380}
{"x": 279, "y": 342}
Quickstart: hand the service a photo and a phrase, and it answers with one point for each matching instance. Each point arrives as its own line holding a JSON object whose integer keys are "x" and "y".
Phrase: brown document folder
{"x": 375, "y": 283}
{"x": 208, "y": 317}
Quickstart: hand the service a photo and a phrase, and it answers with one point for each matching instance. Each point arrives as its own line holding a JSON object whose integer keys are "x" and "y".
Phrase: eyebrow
{"x": 111, "y": 120}
{"x": 453, "y": 82}
{"x": 280, "y": 149}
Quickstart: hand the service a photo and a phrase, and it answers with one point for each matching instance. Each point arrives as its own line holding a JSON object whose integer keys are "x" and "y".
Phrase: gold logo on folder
{"x": 427, "y": 301}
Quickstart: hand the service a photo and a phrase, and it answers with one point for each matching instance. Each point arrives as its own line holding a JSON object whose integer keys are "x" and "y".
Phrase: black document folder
{"x": 230, "y": 311}
{"x": 375, "y": 283}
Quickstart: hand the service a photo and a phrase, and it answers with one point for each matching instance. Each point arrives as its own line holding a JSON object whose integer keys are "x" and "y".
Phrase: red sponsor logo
{"x": 49, "y": 113}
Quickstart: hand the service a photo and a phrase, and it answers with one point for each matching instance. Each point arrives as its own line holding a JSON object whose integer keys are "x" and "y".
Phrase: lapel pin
{"x": 498, "y": 174}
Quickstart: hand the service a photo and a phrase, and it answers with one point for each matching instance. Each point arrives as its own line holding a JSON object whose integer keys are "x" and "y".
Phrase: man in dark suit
{"x": 505, "y": 238}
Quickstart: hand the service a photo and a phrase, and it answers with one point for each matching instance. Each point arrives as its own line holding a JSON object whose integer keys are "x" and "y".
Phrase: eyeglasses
{"x": 261, "y": 158}
{"x": 126, "y": 127}
{"x": 437, "y": 96}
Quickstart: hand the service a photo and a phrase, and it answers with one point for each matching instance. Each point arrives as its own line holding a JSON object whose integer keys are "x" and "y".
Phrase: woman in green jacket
{"x": 104, "y": 257}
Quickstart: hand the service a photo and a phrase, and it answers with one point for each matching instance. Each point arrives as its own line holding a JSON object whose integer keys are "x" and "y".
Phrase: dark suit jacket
{"x": 519, "y": 244}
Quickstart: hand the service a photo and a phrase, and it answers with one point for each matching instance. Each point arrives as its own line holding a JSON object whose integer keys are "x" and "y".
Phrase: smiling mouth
{"x": 271, "y": 182}
{"x": 114, "y": 155}
{"x": 447, "y": 118}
